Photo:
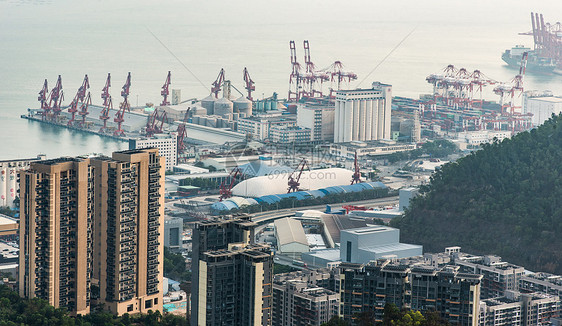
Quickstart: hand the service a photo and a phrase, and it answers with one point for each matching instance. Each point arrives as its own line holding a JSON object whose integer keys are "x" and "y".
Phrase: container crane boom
{"x": 165, "y": 89}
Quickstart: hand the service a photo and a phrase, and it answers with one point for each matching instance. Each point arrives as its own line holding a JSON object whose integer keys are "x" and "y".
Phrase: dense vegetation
{"x": 436, "y": 149}
{"x": 503, "y": 199}
{"x": 393, "y": 316}
{"x": 15, "y": 311}
{"x": 313, "y": 201}
{"x": 175, "y": 267}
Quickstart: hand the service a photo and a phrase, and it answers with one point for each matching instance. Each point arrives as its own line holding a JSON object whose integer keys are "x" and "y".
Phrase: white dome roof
{"x": 274, "y": 184}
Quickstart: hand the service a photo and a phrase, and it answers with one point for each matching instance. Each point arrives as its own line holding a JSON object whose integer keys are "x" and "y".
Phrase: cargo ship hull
{"x": 534, "y": 62}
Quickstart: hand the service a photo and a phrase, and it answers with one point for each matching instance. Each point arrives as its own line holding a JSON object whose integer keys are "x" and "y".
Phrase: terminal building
{"x": 363, "y": 114}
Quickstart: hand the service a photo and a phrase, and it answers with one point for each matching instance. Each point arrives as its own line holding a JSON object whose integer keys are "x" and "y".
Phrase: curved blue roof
{"x": 300, "y": 195}
{"x": 224, "y": 205}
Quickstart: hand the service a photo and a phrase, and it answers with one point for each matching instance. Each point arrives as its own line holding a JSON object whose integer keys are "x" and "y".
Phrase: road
{"x": 268, "y": 216}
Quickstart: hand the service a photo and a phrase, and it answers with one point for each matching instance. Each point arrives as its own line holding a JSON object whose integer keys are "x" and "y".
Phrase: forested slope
{"x": 505, "y": 199}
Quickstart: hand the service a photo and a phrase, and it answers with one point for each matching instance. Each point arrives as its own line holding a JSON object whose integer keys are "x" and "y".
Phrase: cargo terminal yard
{"x": 324, "y": 127}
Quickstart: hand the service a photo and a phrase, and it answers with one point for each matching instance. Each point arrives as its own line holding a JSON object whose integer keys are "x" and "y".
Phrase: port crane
{"x": 356, "y": 178}
{"x": 78, "y": 98}
{"x": 43, "y": 99}
{"x": 84, "y": 109}
{"x": 154, "y": 119}
{"x": 182, "y": 133}
{"x": 165, "y": 89}
{"x": 119, "y": 116}
{"x": 295, "y": 78}
{"x": 312, "y": 76}
{"x": 508, "y": 90}
{"x": 295, "y": 177}
{"x": 225, "y": 189}
{"x": 217, "y": 84}
{"x": 55, "y": 99}
{"x": 339, "y": 76}
{"x": 107, "y": 103}
{"x": 250, "y": 87}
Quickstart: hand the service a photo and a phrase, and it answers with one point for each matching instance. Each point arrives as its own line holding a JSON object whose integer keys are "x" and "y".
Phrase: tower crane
{"x": 225, "y": 189}
{"x": 249, "y": 84}
{"x": 165, "y": 89}
{"x": 122, "y": 107}
{"x": 295, "y": 177}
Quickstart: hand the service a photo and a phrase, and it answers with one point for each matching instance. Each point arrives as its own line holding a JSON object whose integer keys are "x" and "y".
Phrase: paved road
{"x": 273, "y": 215}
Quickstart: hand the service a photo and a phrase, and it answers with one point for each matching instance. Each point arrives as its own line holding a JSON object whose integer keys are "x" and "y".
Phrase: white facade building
{"x": 9, "y": 178}
{"x": 318, "y": 118}
{"x": 541, "y": 107}
{"x": 167, "y": 145}
{"x": 363, "y": 114}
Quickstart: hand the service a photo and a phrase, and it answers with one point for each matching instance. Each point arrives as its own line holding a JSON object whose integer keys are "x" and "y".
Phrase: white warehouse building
{"x": 541, "y": 107}
{"x": 363, "y": 114}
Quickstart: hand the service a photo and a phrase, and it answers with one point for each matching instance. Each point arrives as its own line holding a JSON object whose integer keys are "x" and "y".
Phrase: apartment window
{"x": 148, "y": 304}
{"x": 348, "y": 253}
{"x": 130, "y": 308}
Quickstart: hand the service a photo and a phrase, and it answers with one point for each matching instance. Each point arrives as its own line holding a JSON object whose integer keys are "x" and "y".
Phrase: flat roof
{"x": 550, "y": 99}
{"x": 7, "y": 220}
{"x": 371, "y": 229}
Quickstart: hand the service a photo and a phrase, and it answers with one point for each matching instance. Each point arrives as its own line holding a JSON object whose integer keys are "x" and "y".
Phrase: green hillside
{"x": 505, "y": 199}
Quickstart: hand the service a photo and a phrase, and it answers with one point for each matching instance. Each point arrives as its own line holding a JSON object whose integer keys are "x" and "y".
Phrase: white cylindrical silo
{"x": 224, "y": 107}
{"x": 243, "y": 105}
{"x": 368, "y": 119}
{"x": 209, "y": 104}
{"x": 336, "y": 122}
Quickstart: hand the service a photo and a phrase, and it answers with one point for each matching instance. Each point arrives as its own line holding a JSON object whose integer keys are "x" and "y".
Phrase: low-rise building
{"x": 259, "y": 126}
{"x": 288, "y": 135}
{"x": 173, "y": 229}
{"x": 372, "y": 148}
{"x": 319, "y": 118}
{"x": 290, "y": 236}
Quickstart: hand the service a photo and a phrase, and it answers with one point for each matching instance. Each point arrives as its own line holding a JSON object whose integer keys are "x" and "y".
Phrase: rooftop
{"x": 289, "y": 230}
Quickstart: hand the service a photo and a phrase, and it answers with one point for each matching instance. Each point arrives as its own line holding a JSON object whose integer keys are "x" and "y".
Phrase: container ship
{"x": 546, "y": 56}
{"x": 535, "y": 63}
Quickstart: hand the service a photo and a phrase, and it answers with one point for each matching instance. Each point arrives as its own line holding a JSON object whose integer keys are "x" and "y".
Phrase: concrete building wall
{"x": 363, "y": 114}
{"x": 167, "y": 145}
{"x": 542, "y": 108}
{"x": 173, "y": 228}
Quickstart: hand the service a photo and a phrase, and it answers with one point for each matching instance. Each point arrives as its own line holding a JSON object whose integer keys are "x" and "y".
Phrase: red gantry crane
{"x": 507, "y": 91}
{"x": 312, "y": 78}
{"x": 250, "y": 87}
{"x": 107, "y": 103}
{"x": 84, "y": 109}
{"x": 165, "y": 89}
{"x": 217, "y": 84}
{"x": 55, "y": 99}
{"x": 182, "y": 133}
{"x": 124, "y": 106}
{"x": 295, "y": 78}
{"x": 356, "y": 178}
{"x": 225, "y": 189}
{"x": 295, "y": 177}
{"x": 78, "y": 98}
{"x": 339, "y": 76}
{"x": 43, "y": 99}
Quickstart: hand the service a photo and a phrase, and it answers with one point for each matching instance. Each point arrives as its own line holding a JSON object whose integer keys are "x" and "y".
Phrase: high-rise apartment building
{"x": 231, "y": 276}
{"x": 454, "y": 295}
{"x": 299, "y": 302}
{"x": 56, "y": 220}
{"x": 363, "y": 114}
{"x": 91, "y": 232}
{"x": 129, "y": 239}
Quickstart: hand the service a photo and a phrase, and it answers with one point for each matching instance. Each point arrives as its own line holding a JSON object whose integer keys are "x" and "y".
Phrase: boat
{"x": 535, "y": 63}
